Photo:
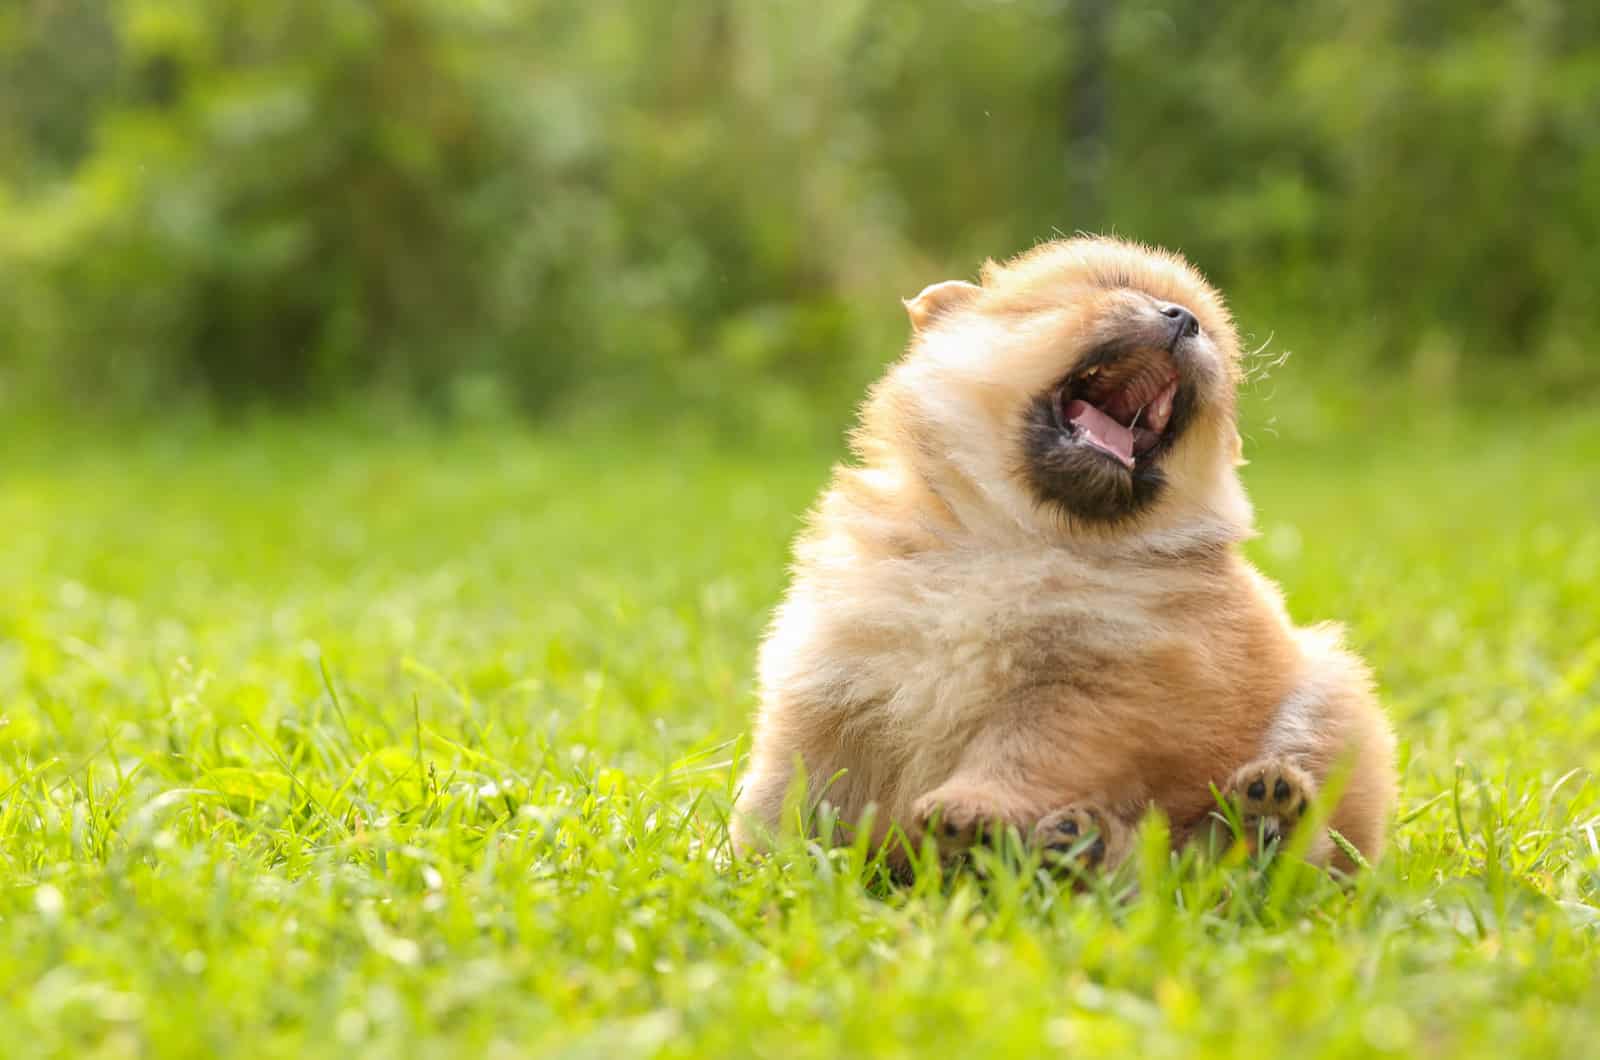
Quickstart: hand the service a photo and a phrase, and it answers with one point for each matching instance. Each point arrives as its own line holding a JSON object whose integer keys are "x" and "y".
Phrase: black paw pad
{"x": 1068, "y": 827}
{"x": 1280, "y": 790}
{"x": 1258, "y": 788}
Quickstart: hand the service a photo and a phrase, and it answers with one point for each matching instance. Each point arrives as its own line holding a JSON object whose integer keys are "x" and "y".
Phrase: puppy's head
{"x": 1086, "y": 386}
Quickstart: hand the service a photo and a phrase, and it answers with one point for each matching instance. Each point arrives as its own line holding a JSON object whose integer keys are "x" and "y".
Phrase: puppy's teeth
{"x": 1161, "y": 407}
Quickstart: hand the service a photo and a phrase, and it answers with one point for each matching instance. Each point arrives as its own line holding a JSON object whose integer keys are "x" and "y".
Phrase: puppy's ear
{"x": 938, "y": 299}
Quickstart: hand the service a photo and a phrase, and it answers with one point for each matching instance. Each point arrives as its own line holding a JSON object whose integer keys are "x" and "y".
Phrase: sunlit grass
{"x": 320, "y": 741}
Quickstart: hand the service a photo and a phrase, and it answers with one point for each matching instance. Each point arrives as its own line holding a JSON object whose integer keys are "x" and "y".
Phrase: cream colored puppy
{"x": 1025, "y": 604}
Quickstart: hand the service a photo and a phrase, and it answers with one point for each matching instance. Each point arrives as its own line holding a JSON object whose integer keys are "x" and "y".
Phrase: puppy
{"x": 1025, "y": 605}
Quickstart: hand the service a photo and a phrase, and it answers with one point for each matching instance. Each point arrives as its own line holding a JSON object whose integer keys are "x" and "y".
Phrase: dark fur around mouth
{"x": 1086, "y": 483}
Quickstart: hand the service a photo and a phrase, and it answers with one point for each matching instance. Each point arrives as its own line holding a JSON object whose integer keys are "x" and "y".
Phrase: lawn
{"x": 332, "y": 738}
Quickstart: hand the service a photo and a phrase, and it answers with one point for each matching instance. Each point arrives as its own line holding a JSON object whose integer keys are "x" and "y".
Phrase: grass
{"x": 321, "y": 739}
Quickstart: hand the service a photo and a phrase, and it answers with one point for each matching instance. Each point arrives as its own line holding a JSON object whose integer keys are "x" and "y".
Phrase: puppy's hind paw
{"x": 1271, "y": 795}
{"x": 1082, "y": 835}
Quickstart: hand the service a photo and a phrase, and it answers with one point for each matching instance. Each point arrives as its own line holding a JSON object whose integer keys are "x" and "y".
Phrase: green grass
{"x": 318, "y": 740}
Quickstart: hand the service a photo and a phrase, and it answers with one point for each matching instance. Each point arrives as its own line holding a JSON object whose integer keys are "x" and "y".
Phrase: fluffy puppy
{"x": 1025, "y": 604}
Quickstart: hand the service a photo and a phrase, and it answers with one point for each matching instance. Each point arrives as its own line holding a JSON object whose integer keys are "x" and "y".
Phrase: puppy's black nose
{"x": 1184, "y": 325}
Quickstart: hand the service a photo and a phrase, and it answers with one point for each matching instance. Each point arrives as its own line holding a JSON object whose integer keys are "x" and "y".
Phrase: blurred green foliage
{"x": 491, "y": 203}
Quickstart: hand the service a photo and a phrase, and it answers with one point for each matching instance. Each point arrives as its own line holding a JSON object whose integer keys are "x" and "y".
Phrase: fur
{"x": 956, "y": 643}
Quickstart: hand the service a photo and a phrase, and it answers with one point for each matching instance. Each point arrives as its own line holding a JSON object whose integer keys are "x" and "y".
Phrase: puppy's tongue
{"x": 1101, "y": 431}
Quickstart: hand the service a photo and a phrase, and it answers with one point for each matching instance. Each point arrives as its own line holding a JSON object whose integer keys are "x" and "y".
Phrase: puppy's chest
{"x": 971, "y": 633}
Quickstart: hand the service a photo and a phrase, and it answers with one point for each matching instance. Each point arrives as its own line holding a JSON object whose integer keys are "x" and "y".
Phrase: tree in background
{"x": 714, "y": 203}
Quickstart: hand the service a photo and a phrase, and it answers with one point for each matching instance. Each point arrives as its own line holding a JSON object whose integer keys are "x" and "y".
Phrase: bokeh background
{"x": 711, "y": 207}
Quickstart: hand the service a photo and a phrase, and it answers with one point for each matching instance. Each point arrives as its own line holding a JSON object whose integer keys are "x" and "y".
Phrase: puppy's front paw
{"x": 956, "y": 817}
{"x": 1271, "y": 795}
{"x": 1081, "y": 834}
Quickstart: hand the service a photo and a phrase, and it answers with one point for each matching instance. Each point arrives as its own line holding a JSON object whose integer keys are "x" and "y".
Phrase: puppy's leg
{"x": 997, "y": 782}
{"x": 1330, "y": 723}
{"x": 1033, "y": 768}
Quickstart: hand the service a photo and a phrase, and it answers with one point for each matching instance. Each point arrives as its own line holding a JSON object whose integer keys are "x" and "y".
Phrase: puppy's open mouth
{"x": 1121, "y": 408}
